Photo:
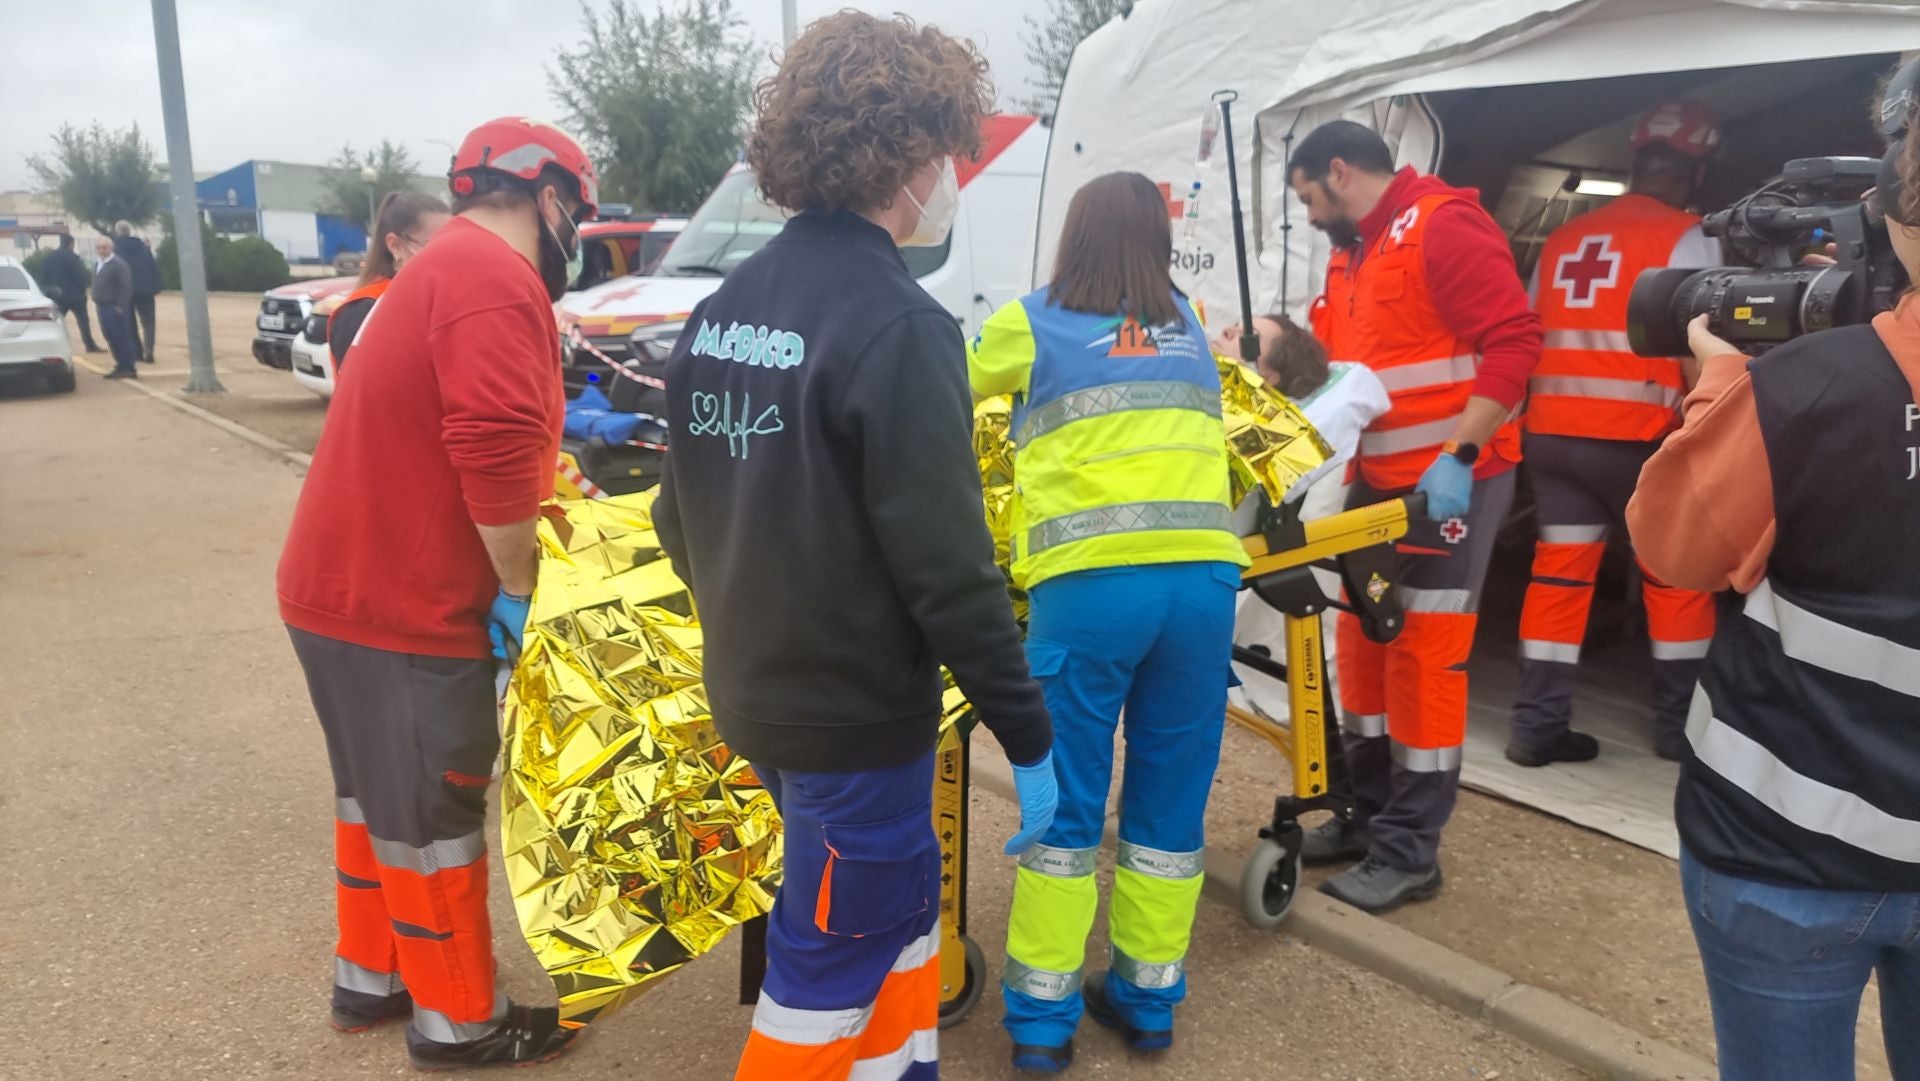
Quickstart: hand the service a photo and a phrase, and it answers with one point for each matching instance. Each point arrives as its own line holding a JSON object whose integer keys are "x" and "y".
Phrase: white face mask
{"x": 937, "y": 214}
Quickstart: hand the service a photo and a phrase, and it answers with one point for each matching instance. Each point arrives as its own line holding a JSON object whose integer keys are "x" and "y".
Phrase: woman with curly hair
{"x": 823, "y": 504}
{"x": 1124, "y": 539}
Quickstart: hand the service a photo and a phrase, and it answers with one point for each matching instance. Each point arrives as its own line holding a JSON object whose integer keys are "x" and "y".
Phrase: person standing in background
{"x": 1597, "y": 412}
{"x": 112, "y": 297}
{"x": 146, "y": 282}
{"x": 64, "y": 278}
{"x": 405, "y": 222}
{"x": 1421, "y": 288}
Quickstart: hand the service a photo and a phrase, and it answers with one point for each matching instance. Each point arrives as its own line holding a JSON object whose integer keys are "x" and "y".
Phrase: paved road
{"x": 166, "y": 911}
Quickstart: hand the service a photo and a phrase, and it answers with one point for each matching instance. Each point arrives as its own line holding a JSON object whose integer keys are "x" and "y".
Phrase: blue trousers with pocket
{"x": 1785, "y": 968}
{"x": 853, "y": 958}
{"x": 1154, "y": 642}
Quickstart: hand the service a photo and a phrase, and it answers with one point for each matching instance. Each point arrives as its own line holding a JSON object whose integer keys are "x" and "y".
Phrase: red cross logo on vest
{"x": 1398, "y": 230}
{"x": 1581, "y": 275}
{"x": 1453, "y": 531}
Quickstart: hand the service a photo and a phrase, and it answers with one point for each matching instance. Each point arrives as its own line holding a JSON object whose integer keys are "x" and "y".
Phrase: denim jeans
{"x": 1785, "y": 968}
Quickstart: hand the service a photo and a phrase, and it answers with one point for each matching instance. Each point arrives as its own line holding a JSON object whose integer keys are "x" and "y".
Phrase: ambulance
{"x": 631, "y": 323}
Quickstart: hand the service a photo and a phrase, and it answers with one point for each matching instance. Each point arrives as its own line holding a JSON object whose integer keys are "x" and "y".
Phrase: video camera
{"x": 1813, "y": 203}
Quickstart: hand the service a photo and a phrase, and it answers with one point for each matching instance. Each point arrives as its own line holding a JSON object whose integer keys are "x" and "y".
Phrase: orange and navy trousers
{"x": 852, "y": 990}
{"x": 1403, "y": 705}
{"x": 412, "y": 742}
{"x": 1580, "y": 492}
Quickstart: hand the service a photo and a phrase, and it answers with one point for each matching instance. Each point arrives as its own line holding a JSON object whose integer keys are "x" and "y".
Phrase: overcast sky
{"x": 293, "y": 81}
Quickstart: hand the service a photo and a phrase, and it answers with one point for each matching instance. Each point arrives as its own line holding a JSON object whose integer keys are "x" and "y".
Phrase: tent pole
{"x": 1249, "y": 336}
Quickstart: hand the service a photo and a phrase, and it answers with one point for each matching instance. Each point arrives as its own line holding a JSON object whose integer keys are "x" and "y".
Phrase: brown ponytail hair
{"x": 399, "y": 213}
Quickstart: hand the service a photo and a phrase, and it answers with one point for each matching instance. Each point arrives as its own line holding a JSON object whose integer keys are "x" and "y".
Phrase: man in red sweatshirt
{"x": 406, "y": 579}
{"x": 1422, "y": 289}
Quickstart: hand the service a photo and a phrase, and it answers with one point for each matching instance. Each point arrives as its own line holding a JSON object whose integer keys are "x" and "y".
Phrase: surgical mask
{"x": 559, "y": 263}
{"x": 937, "y": 214}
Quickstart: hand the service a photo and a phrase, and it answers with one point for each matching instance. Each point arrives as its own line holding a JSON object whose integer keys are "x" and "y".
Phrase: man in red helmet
{"x": 1597, "y": 413}
{"x": 406, "y": 579}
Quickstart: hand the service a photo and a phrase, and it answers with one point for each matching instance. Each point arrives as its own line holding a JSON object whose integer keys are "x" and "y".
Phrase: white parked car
{"x": 33, "y": 333}
{"x": 312, "y": 357}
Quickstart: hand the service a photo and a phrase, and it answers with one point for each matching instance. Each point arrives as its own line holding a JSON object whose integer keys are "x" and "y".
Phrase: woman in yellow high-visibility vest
{"x": 1123, "y": 538}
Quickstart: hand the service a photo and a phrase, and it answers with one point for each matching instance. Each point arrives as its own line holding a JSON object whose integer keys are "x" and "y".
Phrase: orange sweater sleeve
{"x": 1702, "y": 517}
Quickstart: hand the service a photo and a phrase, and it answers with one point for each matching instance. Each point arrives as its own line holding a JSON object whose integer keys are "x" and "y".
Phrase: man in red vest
{"x": 1422, "y": 289}
{"x": 1597, "y": 413}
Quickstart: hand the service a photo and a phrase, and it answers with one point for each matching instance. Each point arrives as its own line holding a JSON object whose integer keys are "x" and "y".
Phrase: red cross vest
{"x": 373, "y": 290}
{"x": 1381, "y": 313}
{"x": 1589, "y": 382}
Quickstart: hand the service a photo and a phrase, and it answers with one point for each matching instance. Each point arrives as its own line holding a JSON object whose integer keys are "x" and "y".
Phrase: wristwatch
{"x": 1467, "y": 453}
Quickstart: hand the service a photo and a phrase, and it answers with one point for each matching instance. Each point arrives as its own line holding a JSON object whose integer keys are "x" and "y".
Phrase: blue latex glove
{"x": 507, "y": 625}
{"x": 1448, "y": 485}
{"x": 1039, "y": 797}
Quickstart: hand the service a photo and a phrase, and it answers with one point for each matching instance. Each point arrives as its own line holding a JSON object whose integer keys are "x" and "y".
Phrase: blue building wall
{"x": 338, "y": 235}
{"x": 234, "y": 187}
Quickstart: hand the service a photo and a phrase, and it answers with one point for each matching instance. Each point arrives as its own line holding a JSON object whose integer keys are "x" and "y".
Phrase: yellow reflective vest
{"x": 1120, "y": 457}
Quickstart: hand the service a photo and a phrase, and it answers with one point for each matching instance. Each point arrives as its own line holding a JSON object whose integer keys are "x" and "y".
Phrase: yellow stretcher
{"x": 1357, "y": 545}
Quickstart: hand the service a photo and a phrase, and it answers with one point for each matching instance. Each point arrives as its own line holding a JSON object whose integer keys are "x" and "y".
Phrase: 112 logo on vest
{"x": 1913, "y": 453}
{"x": 755, "y": 346}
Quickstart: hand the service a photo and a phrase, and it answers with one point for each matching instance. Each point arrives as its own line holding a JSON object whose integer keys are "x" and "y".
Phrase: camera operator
{"x": 1794, "y": 480}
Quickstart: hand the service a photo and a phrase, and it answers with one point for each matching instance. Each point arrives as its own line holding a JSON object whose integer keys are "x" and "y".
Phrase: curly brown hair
{"x": 1909, "y": 169}
{"x": 859, "y": 104}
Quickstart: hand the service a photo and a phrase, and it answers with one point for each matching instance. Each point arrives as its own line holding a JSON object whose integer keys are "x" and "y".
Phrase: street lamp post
{"x": 201, "y": 378}
{"x": 369, "y": 174}
{"x": 789, "y": 21}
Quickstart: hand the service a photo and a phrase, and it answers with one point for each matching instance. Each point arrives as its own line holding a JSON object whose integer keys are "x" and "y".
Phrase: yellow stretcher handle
{"x": 1336, "y": 534}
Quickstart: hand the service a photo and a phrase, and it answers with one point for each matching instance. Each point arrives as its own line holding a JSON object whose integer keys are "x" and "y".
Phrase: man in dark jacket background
{"x": 112, "y": 298}
{"x": 146, "y": 282}
{"x": 64, "y": 278}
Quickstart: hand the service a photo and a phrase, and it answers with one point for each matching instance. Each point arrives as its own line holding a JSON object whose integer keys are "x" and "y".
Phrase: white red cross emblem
{"x": 1398, "y": 230}
{"x": 1581, "y": 275}
{"x": 1453, "y": 531}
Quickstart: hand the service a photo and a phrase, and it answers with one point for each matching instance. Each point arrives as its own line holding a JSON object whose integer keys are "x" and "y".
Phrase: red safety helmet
{"x": 519, "y": 147}
{"x": 1687, "y": 126}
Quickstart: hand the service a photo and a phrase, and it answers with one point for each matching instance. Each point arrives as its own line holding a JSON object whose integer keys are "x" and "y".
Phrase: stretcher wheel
{"x": 955, "y": 1009}
{"x": 1268, "y": 884}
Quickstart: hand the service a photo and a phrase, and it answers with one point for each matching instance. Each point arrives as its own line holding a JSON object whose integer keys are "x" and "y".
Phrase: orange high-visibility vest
{"x": 370, "y": 291}
{"x": 1589, "y": 382}
{"x": 1381, "y": 314}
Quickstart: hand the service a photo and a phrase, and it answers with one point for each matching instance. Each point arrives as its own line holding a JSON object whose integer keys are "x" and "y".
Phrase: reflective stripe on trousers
{"x": 880, "y": 1041}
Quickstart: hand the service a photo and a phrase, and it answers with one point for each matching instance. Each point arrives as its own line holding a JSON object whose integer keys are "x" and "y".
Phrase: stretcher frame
{"x": 1357, "y": 545}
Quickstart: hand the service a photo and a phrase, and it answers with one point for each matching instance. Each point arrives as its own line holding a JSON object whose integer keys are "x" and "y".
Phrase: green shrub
{"x": 247, "y": 265}
{"x": 168, "y": 256}
{"x": 34, "y": 262}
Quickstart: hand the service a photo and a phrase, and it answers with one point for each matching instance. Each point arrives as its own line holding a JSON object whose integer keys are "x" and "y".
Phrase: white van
{"x": 983, "y": 264}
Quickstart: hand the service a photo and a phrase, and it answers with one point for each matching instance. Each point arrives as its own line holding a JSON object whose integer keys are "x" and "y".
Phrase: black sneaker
{"x": 1564, "y": 747}
{"x": 1375, "y": 886}
{"x": 529, "y": 1036}
{"x": 1334, "y": 841}
{"x": 367, "y": 1011}
{"x": 1672, "y": 744}
{"x": 1094, "y": 991}
{"x": 1031, "y": 1058}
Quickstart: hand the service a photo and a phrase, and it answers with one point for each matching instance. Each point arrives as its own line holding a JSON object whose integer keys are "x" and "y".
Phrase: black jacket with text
{"x": 823, "y": 502}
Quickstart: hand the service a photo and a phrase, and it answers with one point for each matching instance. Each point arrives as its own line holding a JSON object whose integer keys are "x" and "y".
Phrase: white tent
{"x": 1514, "y": 97}
{"x": 1137, "y": 88}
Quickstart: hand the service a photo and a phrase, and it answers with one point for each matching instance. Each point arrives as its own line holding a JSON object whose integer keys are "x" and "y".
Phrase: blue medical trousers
{"x": 1153, "y": 642}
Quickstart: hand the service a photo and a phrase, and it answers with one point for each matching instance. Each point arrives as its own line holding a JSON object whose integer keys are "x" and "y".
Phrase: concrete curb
{"x": 1569, "y": 1032}
{"x": 297, "y": 459}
